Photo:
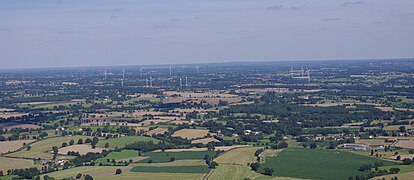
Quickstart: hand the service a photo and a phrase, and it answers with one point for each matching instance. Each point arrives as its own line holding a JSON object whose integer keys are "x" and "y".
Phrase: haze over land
{"x": 46, "y": 33}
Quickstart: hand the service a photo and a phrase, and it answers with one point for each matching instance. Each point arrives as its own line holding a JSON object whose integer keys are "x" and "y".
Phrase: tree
{"x": 172, "y": 159}
{"x": 78, "y": 176}
{"x": 313, "y": 145}
{"x": 28, "y": 148}
{"x": 107, "y": 145}
{"x": 1, "y": 173}
{"x": 394, "y": 170}
{"x": 268, "y": 171}
{"x": 255, "y": 166}
{"x": 88, "y": 177}
{"x": 64, "y": 144}
{"x": 55, "y": 152}
{"x": 407, "y": 161}
{"x": 71, "y": 142}
{"x": 118, "y": 171}
{"x": 80, "y": 141}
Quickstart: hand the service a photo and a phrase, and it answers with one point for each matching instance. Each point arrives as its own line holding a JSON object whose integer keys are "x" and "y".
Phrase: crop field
{"x": 172, "y": 169}
{"x": 157, "y": 131}
{"x": 205, "y": 140}
{"x": 42, "y": 149}
{"x": 191, "y": 133}
{"x": 10, "y": 126}
{"x": 11, "y": 114}
{"x": 14, "y": 163}
{"x": 405, "y": 144}
{"x": 122, "y": 141}
{"x": 159, "y": 157}
{"x": 239, "y": 156}
{"x": 81, "y": 148}
{"x": 317, "y": 164}
{"x": 8, "y": 146}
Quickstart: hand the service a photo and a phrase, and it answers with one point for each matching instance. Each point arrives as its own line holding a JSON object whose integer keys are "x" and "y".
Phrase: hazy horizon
{"x": 79, "y": 33}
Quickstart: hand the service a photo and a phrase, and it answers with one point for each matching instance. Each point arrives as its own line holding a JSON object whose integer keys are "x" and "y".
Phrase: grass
{"x": 172, "y": 169}
{"x": 160, "y": 157}
{"x": 122, "y": 141}
{"x": 155, "y": 176}
{"x": 318, "y": 164}
{"x": 241, "y": 156}
{"x": 42, "y": 149}
{"x": 122, "y": 155}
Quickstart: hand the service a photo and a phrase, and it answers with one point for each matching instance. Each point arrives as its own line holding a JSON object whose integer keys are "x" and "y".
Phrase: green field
{"x": 122, "y": 155}
{"x": 317, "y": 164}
{"x": 122, "y": 141}
{"x": 172, "y": 169}
{"x": 159, "y": 157}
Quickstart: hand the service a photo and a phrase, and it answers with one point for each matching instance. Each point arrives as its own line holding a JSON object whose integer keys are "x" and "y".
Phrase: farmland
{"x": 191, "y": 133}
{"x": 305, "y": 163}
{"x": 122, "y": 141}
{"x": 42, "y": 149}
{"x": 9, "y": 146}
{"x": 237, "y": 122}
{"x": 159, "y": 157}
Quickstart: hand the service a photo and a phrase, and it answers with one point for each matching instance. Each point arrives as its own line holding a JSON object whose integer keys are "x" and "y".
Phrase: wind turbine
{"x": 150, "y": 81}
{"x": 181, "y": 82}
{"x": 141, "y": 71}
{"x": 186, "y": 81}
{"x": 197, "y": 69}
{"x": 105, "y": 74}
{"x": 309, "y": 77}
{"x": 170, "y": 71}
{"x": 146, "y": 82}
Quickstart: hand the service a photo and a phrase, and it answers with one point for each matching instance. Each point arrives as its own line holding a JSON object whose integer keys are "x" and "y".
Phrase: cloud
{"x": 275, "y": 7}
{"x": 331, "y": 19}
{"x": 348, "y": 3}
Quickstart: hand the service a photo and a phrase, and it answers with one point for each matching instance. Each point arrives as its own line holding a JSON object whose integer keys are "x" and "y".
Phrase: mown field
{"x": 122, "y": 141}
{"x": 14, "y": 163}
{"x": 240, "y": 156}
{"x": 318, "y": 164}
{"x": 160, "y": 157}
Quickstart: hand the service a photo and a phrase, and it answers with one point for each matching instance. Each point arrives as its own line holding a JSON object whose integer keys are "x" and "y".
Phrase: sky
{"x": 72, "y": 33}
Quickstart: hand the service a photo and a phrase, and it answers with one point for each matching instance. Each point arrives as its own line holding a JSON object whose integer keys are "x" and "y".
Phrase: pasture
{"x": 160, "y": 157}
{"x": 42, "y": 149}
{"x": 120, "y": 142}
{"x": 81, "y": 148}
{"x": 317, "y": 164}
{"x": 172, "y": 169}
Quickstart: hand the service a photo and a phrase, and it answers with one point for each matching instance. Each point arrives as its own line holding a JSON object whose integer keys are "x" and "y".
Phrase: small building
{"x": 352, "y": 146}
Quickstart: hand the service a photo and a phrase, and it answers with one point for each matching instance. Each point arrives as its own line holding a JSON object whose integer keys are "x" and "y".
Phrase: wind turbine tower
{"x": 197, "y": 69}
{"x": 150, "y": 81}
{"x": 141, "y": 71}
{"x": 291, "y": 71}
{"x": 309, "y": 77}
{"x": 181, "y": 82}
{"x": 123, "y": 73}
{"x": 105, "y": 74}
{"x": 122, "y": 82}
{"x": 170, "y": 71}
{"x": 186, "y": 81}
{"x": 302, "y": 72}
{"x": 146, "y": 82}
